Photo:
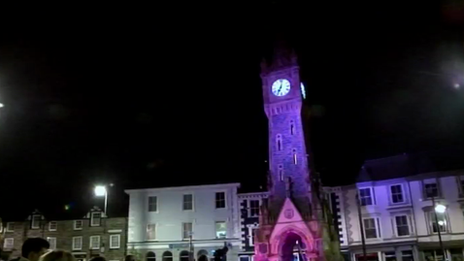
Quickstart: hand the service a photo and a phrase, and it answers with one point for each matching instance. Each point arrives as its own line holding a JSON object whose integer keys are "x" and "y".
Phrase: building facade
{"x": 93, "y": 234}
{"x": 397, "y": 216}
{"x": 172, "y": 223}
{"x": 249, "y": 220}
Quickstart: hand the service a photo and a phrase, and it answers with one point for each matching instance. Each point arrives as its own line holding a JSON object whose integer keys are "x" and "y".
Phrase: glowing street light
{"x": 101, "y": 191}
{"x": 1, "y": 105}
{"x": 439, "y": 208}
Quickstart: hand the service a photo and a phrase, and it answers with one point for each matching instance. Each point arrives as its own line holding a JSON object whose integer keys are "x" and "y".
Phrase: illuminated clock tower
{"x": 291, "y": 220}
{"x": 283, "y": 101}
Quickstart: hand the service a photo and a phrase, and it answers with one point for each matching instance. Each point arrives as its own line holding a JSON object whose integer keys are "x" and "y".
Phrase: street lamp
{"x": 439, "y": 208}
{"x": 101, "y": 191}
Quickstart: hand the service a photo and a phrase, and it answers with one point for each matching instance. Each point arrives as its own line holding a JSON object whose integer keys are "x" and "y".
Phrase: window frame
{"x": 371, "y": 195}
{"x": 75, "y": 227}
{"x": 376, "y": 225}
{"x": 430, "y": 215}
{"x": 408, "y": 222}
{"x": 251, "y": 238}
{"x": 91, "y": 247}
{"x": 52, "y": 246}
{"x": 216, "y": 230}
{"x": 92, "y": 218}
{"x": 151, "y": 225}
{"x": 50, "y": 226}
{"x": 402, "y": 193}
{"x": 111, "y": 241}
{"x": 183, "y": 202}
{"x": 216, "y": 200}
{"x": 250, "y": 213}
{"x": 73, "y": 245}
{"x": 156, "y": 204}
{"x": 431, "y": 181}
{"x": 33, "y": 221}
{"x": 183, "y": 230}
{"x": 9, "y": 225}
{"x": 5, "y": 241}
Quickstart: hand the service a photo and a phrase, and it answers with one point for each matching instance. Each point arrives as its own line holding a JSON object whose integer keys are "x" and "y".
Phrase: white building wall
{"x": 415, "y": 206}
{"x": 170, "y": 215}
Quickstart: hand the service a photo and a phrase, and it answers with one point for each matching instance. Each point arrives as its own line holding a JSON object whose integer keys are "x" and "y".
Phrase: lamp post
{"x": 439, "y": 208}
{"x": 101, "y": 191}
{"x": 361, "y": 226}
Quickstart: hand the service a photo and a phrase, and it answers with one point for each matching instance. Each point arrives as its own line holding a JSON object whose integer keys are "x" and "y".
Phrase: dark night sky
{"x": 134, "y": 98}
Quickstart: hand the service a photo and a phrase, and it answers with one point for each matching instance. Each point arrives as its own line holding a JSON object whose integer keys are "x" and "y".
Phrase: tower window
{"x": 281, "y": 172}
{"x": 294, "y": 157}
{"x": 279, "y": 142}
{"x": 292, "y": 127}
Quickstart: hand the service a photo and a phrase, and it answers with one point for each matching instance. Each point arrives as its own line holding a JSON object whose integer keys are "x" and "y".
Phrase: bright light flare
{"x": 440, "y": 208}
{"x": 100, "y": 191}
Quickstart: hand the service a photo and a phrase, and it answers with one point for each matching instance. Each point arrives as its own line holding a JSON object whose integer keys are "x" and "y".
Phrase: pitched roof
{"x": 409, "y": 164}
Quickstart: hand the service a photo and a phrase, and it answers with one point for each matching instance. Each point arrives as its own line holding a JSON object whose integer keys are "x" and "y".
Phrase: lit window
{"x": 221, "y": 229}
{"x": 186, "y": 230}
{"x": 94, "y": 242}
{"x": 220, "y": 199}
{"x": 151, "y": 231}
{"x": 441, "y": 224}
{"x": 295, "y": 160}
{"x": 52, "y": 242}
{"x": 281, "y": 172}
{"x": 152, "y": 204}
{"x": 9, "y": 243}
{"x": 188, "y": 202}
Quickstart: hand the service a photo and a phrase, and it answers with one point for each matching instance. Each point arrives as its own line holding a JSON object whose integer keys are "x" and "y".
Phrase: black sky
{"x": 139, "y": 96}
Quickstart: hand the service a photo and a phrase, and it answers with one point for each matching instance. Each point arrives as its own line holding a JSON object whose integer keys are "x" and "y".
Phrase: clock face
{"x": 281, "y": 87}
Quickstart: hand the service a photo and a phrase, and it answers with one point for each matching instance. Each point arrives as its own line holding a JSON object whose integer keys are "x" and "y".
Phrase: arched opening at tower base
{"x": 294, "y": 248}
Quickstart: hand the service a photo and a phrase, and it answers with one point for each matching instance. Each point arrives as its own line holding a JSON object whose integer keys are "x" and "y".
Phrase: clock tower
{"x": 283, "y": 101}
{"x": 294, "y": 219}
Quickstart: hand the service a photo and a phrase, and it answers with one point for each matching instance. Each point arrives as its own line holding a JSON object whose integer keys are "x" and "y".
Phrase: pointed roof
{"x": 289, "y": 212}
{"x": 282, "y": 55}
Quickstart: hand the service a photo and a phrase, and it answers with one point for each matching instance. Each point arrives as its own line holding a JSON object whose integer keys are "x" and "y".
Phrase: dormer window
{"x": 95, "y": 219}
{"x": 35, "y": 222}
